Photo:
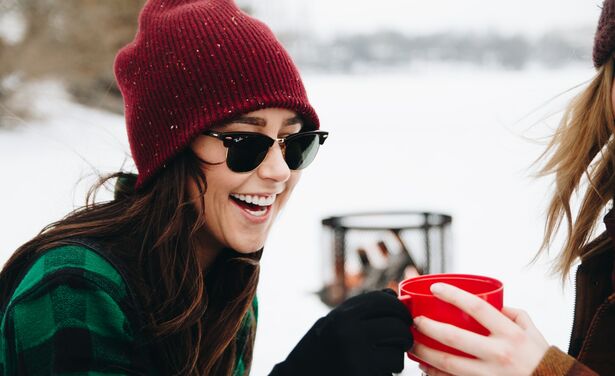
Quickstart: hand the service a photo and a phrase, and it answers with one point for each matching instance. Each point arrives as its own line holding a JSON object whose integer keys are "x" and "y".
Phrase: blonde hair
{"x": 582, "y": 150}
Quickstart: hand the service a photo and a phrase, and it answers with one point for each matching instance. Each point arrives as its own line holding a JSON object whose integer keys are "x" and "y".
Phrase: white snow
{"x": 12, "y": 25}
{"x": 441, "y": 138}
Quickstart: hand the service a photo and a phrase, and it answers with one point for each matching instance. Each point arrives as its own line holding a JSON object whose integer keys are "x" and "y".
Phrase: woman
{"x": 162, "y": 279}
{"x": 583, "y": 146}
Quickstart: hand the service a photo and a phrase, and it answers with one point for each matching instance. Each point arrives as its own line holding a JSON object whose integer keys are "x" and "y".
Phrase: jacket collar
{"x": 609, "y": 222}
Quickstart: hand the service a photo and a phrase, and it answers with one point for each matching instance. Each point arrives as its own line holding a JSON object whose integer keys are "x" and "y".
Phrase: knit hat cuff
{"x": 182, "y": 141}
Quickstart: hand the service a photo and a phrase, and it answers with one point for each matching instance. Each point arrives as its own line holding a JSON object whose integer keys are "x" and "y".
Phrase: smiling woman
{"x": 247, "y": 184}
{"x": 162, "y": 279}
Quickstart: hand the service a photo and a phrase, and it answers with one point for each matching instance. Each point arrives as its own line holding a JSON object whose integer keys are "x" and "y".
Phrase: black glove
{"x": 366, "y": 335}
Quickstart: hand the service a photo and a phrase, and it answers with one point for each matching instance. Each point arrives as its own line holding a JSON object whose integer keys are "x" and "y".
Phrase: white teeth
{"x": 258, "y": 213}
{"x": 256, "y": 200}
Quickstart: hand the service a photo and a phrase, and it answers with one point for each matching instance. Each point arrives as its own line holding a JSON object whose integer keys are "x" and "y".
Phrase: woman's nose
{"x": 274, "y": 166}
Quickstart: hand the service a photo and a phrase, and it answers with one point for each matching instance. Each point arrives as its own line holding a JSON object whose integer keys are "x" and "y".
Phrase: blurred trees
{"x": 75, "y": 41}
{"x": 387, "y": 49}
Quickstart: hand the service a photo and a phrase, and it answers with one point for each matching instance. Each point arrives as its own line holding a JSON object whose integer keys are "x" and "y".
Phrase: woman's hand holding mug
{"x": 489, "y": 340}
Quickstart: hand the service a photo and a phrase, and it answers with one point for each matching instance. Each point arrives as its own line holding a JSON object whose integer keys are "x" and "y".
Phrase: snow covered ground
{"x": 449, "y": 139}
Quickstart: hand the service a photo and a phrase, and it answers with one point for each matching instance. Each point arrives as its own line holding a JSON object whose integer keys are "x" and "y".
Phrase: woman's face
{"x": 232, "y": 219}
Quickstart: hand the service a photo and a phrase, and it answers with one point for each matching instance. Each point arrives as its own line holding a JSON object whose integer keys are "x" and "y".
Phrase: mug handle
{"x": 405, "y": 299}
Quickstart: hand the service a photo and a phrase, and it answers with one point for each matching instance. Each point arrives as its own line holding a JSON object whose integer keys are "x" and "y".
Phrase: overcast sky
{"x": 509, "y": 16}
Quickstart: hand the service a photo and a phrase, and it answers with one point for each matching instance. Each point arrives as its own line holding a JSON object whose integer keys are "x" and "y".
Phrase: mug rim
{"x": 498, "y": 285}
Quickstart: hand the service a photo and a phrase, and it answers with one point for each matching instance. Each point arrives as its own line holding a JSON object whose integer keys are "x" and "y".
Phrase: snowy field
{"x": 449, "y": 139}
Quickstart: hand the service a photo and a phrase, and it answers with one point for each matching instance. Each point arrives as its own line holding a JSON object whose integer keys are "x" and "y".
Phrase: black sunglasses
{"x": 246, "y": 150}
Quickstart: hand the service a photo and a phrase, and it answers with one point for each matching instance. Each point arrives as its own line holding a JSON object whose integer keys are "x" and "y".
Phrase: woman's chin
{"x": 247, "y": 247}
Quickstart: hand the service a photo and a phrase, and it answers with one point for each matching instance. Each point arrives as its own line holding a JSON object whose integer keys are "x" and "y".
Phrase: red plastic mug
{"x": 416, "y": 295}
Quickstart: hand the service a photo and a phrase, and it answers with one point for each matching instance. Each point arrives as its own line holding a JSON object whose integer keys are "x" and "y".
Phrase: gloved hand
{"x": 366, "y": 335}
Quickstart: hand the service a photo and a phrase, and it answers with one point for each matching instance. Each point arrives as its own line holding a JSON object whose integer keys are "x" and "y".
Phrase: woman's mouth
{"x": 256, "y": 206}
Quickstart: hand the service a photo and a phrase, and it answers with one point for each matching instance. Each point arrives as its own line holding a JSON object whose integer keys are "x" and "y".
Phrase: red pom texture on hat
{"x": 604, "y": 41}
{"x": 194, "y": 64}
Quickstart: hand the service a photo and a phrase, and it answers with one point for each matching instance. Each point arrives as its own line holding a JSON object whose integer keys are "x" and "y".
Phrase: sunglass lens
{"x": 246, "y": 153}
{"x": 301, "y": 151}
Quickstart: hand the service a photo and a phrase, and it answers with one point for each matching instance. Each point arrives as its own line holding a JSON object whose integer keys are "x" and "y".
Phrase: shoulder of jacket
{"x": 71, "y": 262}
{"x": 71, "y": 295}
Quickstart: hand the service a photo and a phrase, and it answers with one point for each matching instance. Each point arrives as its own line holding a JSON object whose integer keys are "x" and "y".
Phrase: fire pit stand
{"x": 367, "y": 251}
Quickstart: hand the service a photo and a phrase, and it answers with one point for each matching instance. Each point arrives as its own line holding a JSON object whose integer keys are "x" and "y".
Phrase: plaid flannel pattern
{"x": 71, "y": 314}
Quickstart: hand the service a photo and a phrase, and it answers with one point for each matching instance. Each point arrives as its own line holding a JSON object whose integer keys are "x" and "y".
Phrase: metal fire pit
{"x": 367, "y": 251}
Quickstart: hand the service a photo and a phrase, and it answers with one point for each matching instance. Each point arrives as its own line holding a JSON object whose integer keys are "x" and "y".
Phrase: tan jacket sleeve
{"x": 557, "y": 363}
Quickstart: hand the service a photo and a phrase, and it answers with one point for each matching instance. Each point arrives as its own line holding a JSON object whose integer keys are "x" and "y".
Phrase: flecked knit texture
{"x": 604, "y": 41}
{"x": 194, "y": 64}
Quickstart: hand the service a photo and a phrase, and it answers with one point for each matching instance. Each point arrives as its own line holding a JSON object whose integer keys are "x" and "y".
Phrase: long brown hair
{"x": 192, "y": 315}
{"x": 582, "y": 151}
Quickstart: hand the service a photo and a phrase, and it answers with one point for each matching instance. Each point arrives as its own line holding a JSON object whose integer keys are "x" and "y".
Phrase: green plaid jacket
{"x": 71, "y": 315}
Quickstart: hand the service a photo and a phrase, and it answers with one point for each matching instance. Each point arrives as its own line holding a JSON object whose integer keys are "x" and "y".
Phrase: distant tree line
{"x": 393, "y": 49}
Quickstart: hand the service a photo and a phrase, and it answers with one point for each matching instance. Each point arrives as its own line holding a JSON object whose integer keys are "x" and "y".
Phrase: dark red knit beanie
{"x": 604, "y": 41}
{"x": 194, "y": 64}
